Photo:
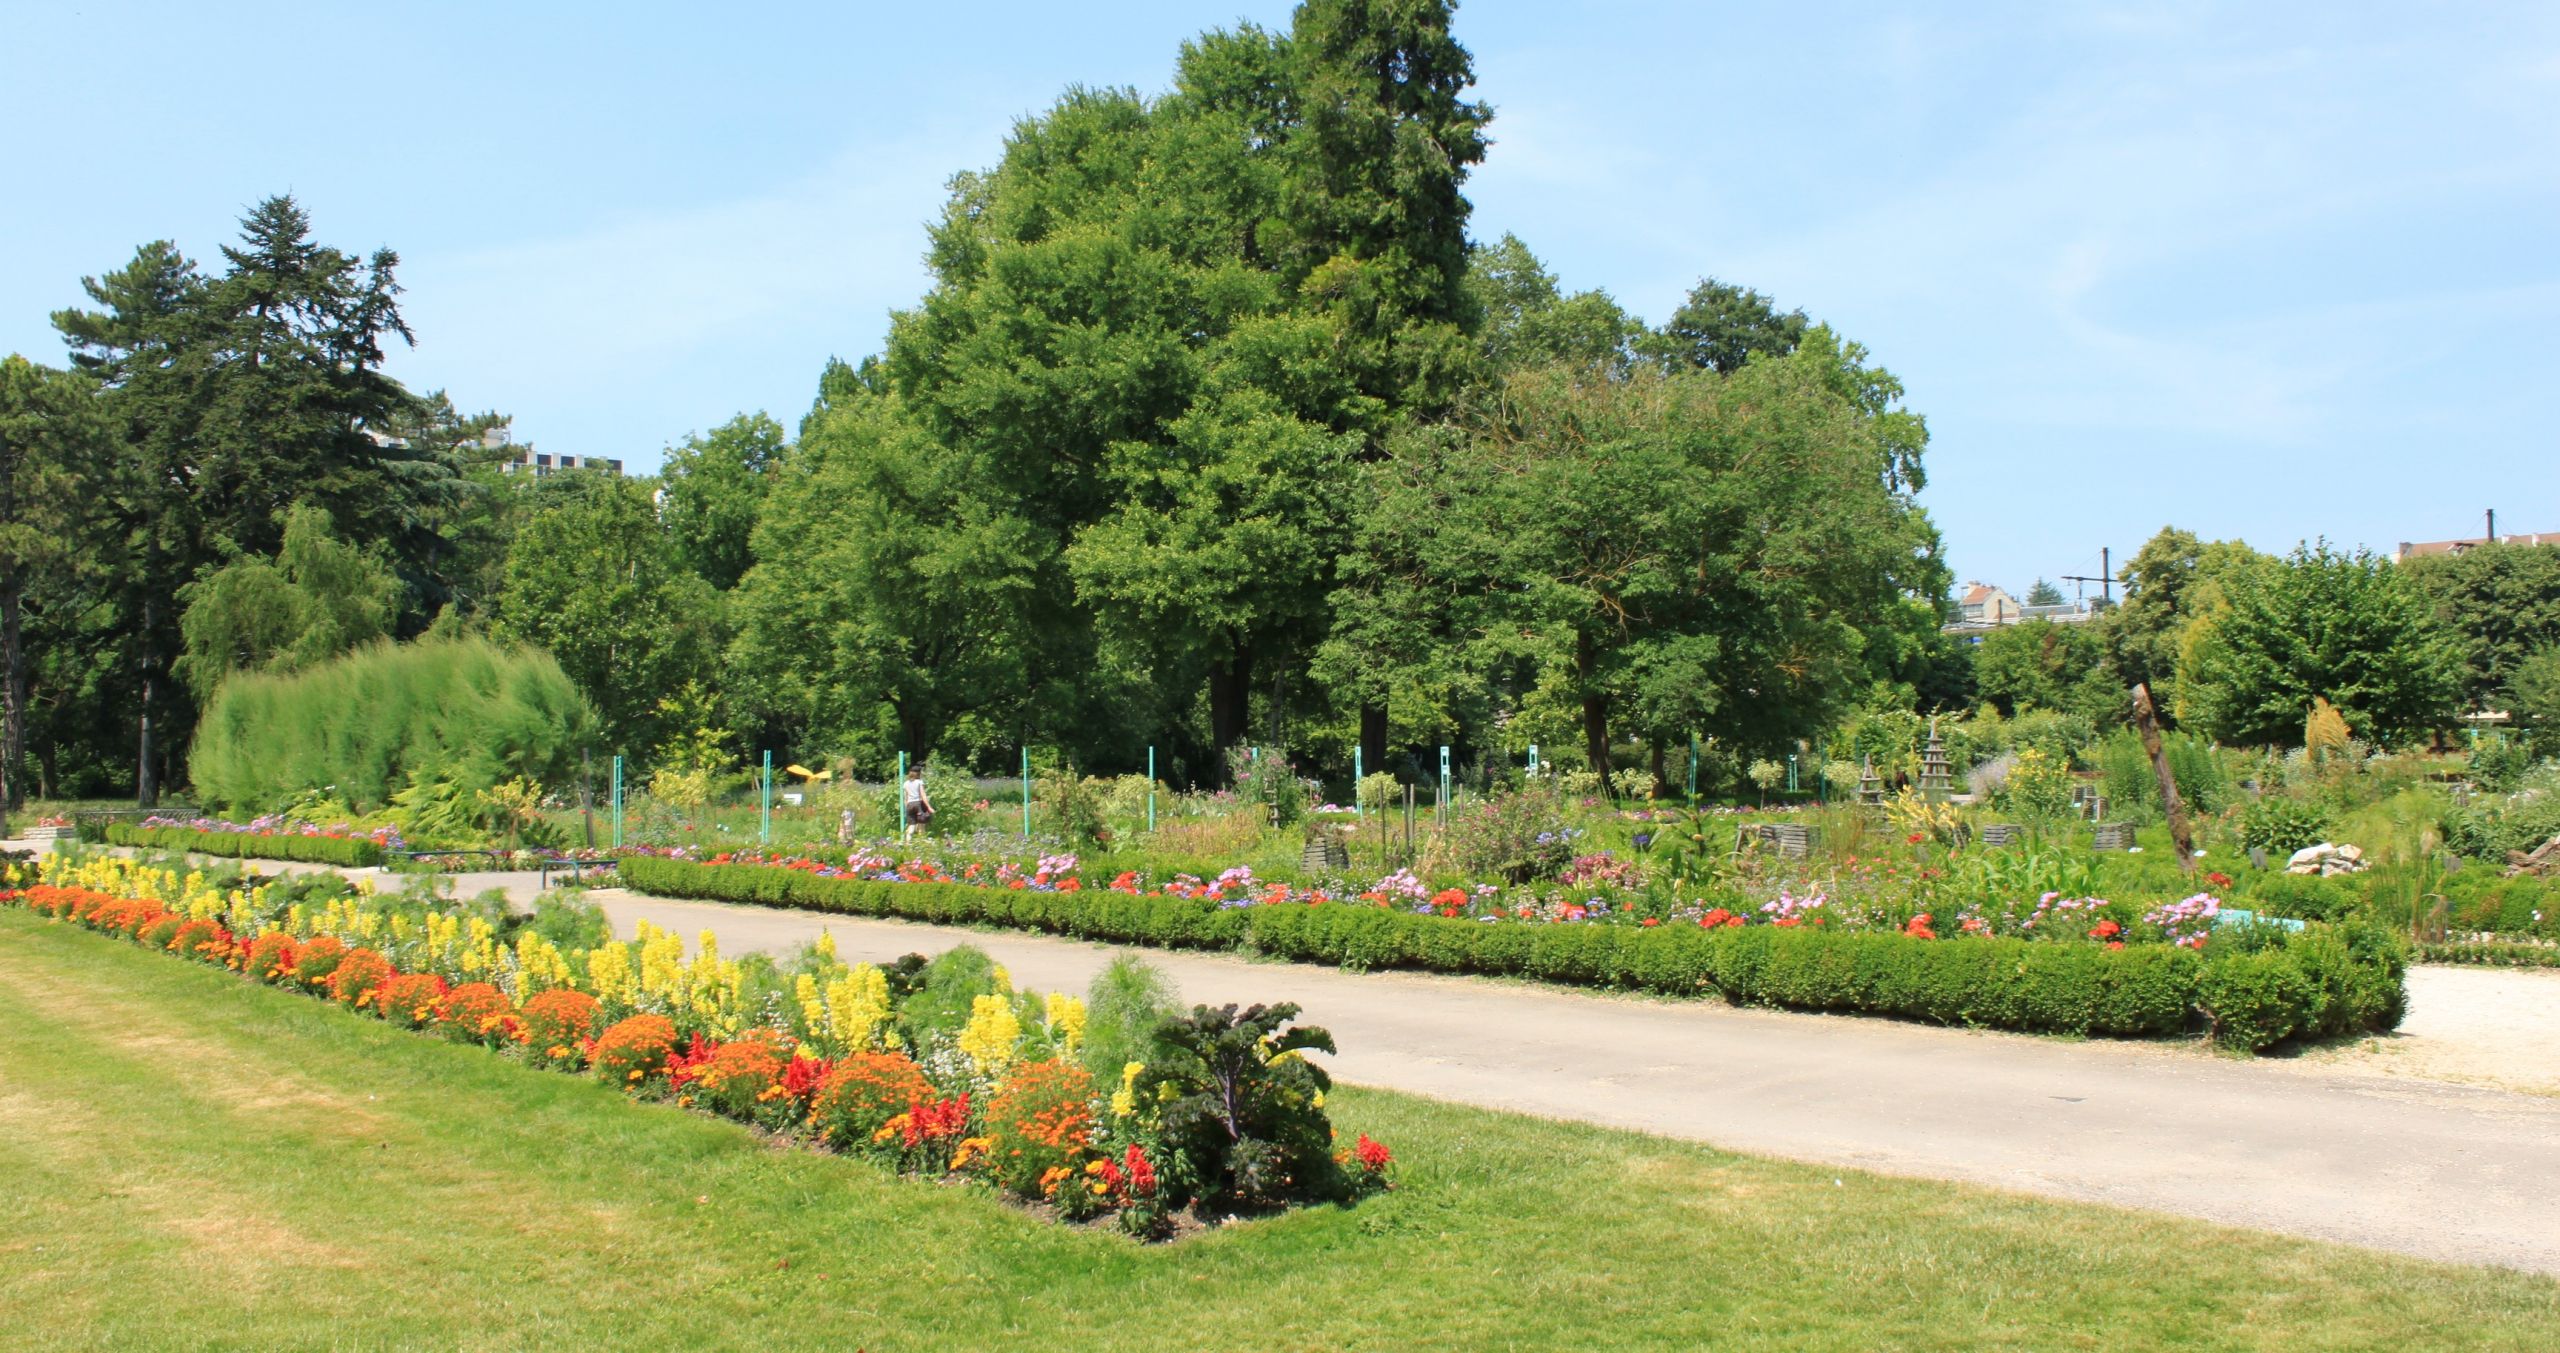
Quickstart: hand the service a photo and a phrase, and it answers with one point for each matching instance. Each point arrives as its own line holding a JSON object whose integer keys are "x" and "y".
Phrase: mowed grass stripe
{"x": 397, "y": 1191}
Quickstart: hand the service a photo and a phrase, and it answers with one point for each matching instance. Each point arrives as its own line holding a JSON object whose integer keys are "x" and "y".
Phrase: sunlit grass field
{"x": 192, "y": 1161}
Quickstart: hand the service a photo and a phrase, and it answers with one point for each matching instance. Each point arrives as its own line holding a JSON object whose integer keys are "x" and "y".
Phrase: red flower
{"x": 1653, "y": 920}
{"x": 2106, "y": 930}
{"x": 1917, "y": 837}
{"x": 1374, "y": 1156}
{"x": 2218, "y": 879}
{"x": 1918, "y": 928}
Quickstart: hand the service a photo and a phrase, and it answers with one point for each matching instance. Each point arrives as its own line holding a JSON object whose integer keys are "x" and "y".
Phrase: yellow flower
{"x": 992, "y": 1031}
{"x": 1066, "y": 1020}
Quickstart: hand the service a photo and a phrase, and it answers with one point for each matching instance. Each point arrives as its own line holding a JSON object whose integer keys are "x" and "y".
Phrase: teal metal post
{"x": 1026, "y": 791}
{"x": 1444, "y": 785}
{"x": 764, "y": 833}
{"x": 1533, "y": 761}
{"x": 1355, "y": 781}
{"x": 898, "y": 793}
{"x": 617, "y": 803}
{"x": 1793, "y": 786}
{"x": 1151, "y": 789}
{"x": 1693, "y": 770}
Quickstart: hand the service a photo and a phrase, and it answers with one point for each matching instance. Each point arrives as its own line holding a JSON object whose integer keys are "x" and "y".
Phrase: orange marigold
{"x": 315, "y": 959}
{"x": 632, "y": 1051}
{"x": 743, "y": 1078}
{"x": 557, "y": 1025}
{"x": 477, "y": 1012}
{"x": 200, "y": 939}
{"x": 358, "y": 975}
{"x": 411, "y": 998}
{"x": 270, "y": 957}
{"x": 1041, "y": 1119}
{"x": 863, "y": 1092}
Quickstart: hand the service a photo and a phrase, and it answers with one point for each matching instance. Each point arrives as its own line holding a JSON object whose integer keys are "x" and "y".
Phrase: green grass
{"x": 193, "y": 1161}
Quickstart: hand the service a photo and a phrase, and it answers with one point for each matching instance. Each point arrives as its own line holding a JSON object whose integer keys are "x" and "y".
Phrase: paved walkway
{"x": 2420, "y": 1166}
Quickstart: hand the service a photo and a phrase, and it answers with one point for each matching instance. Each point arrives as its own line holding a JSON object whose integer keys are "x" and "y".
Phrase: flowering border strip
{"x": 1035, "y": 1127}
{"x": 346, "y": 852}
{"x": 2327, "y": 980}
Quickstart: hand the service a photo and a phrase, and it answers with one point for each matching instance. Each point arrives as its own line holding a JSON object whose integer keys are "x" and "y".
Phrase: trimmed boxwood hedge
{"x": 2337, "y": 983}
{"x": 344, "y": 852}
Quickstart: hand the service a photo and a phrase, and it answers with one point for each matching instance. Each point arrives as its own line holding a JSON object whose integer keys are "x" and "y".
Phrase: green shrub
{"x": 2139, "y": 991}
{"x": 343, "y": 852}
{"x": 461, "y": 711}
{"x": 1128, "y": 1000}
{"x": 2280, "y": 826}
{"x": 2254, "y": 1000}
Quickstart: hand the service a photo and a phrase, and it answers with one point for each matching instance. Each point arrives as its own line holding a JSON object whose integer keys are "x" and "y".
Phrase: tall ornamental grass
{"x": 465, "y": 712}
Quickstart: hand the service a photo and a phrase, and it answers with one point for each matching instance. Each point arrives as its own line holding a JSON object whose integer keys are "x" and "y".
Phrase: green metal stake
{"x": 1693, "y": 770}
{"x": 1355, "y": 781}
{"x": 1444, "y": 785}
{"x": 617, "y": 803}
{"x": 1151, "y": 789}
{"x": 1533, "y": 761}
{"x": 1026, "y": 792}
{"x": 765, "y": 832}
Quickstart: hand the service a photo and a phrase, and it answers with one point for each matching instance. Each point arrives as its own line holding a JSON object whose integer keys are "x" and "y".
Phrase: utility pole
{"x": 2106, "y": 579}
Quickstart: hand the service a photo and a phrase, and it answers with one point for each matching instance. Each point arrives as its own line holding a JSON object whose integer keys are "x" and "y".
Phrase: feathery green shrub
{"x": 464, "y": 712}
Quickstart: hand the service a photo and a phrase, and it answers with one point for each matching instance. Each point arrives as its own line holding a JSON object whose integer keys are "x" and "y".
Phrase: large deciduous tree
{"x": 2318, "y": 624}
{"x": 2501, "y": 603}
{"x": 2174, "y": 578}
{"x": 714, "y": 488}
{"x": 593, "y": 579}
{"x": 892, "y": 597}
{"x": 1161, "y": 332}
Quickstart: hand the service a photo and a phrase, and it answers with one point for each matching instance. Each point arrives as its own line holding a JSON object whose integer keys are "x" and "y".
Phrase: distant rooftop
{"x": 2412, "y": 550}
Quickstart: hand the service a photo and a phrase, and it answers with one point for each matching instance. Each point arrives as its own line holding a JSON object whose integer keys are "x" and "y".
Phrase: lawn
{"x": 194, "y": 1161}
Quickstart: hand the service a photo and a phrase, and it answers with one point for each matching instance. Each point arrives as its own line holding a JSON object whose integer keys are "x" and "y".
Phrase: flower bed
{"x": 936, "y": 1069}
{"x": 2321, "y": 981}
{"x": 265, "y": 839}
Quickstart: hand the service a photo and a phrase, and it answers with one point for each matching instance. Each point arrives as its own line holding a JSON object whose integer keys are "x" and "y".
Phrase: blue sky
{"x": 2264, "y": 271}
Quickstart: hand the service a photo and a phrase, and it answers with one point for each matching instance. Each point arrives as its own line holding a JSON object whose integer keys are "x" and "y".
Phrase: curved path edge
{"x": 2427, "y": 1168}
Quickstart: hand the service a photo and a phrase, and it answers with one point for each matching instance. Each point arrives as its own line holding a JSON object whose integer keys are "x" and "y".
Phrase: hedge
{"x": 344, "y": 852}
{"x": 2323, "y": 981}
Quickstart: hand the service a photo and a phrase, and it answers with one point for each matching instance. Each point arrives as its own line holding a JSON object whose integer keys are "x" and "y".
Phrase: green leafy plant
{"x": 1242, "y": 1112}
{"x": 1076, "y": 806}
{"x": 2280, "y": 825}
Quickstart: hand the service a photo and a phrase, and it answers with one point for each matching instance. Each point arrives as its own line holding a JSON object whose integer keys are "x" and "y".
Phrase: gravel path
{"x": 2443, "y": 1171}
{"x": 2442, "y": 1141}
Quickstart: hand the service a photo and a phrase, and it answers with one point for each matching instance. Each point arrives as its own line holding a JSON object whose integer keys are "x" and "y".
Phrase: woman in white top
{"x": 915, "y": 806}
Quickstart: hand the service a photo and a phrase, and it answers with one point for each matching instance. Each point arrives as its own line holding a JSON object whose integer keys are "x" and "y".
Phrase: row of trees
{"x": 1213, "y": 427}
{"x": 2238, "y": 644}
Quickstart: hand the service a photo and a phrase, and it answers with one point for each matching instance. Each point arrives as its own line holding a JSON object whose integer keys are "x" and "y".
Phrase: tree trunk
{"x": 13, "y": 698}
{"x": 1373, "y": 737}
{"x": 1660, "y": 777}
{"x": 2149, "y": 727}
{"x": 146, "y": 782}
{"x": 1230, "y": 692}
{"x": 1595, "y": 712}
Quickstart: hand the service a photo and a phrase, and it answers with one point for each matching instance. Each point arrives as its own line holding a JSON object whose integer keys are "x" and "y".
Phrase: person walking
{"x": 915, "y": 806}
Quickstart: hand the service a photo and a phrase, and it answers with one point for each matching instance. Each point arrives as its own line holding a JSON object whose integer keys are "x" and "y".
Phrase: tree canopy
{"x": 2320, "y": 624}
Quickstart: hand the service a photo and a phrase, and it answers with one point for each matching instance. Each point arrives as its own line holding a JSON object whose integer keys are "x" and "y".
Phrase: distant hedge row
{"x": 2321, "y": 981}
{"x": 344, "y": 852}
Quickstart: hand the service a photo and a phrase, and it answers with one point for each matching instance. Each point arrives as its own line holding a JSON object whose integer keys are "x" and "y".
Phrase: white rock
{"x": 2311, "y": 855}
